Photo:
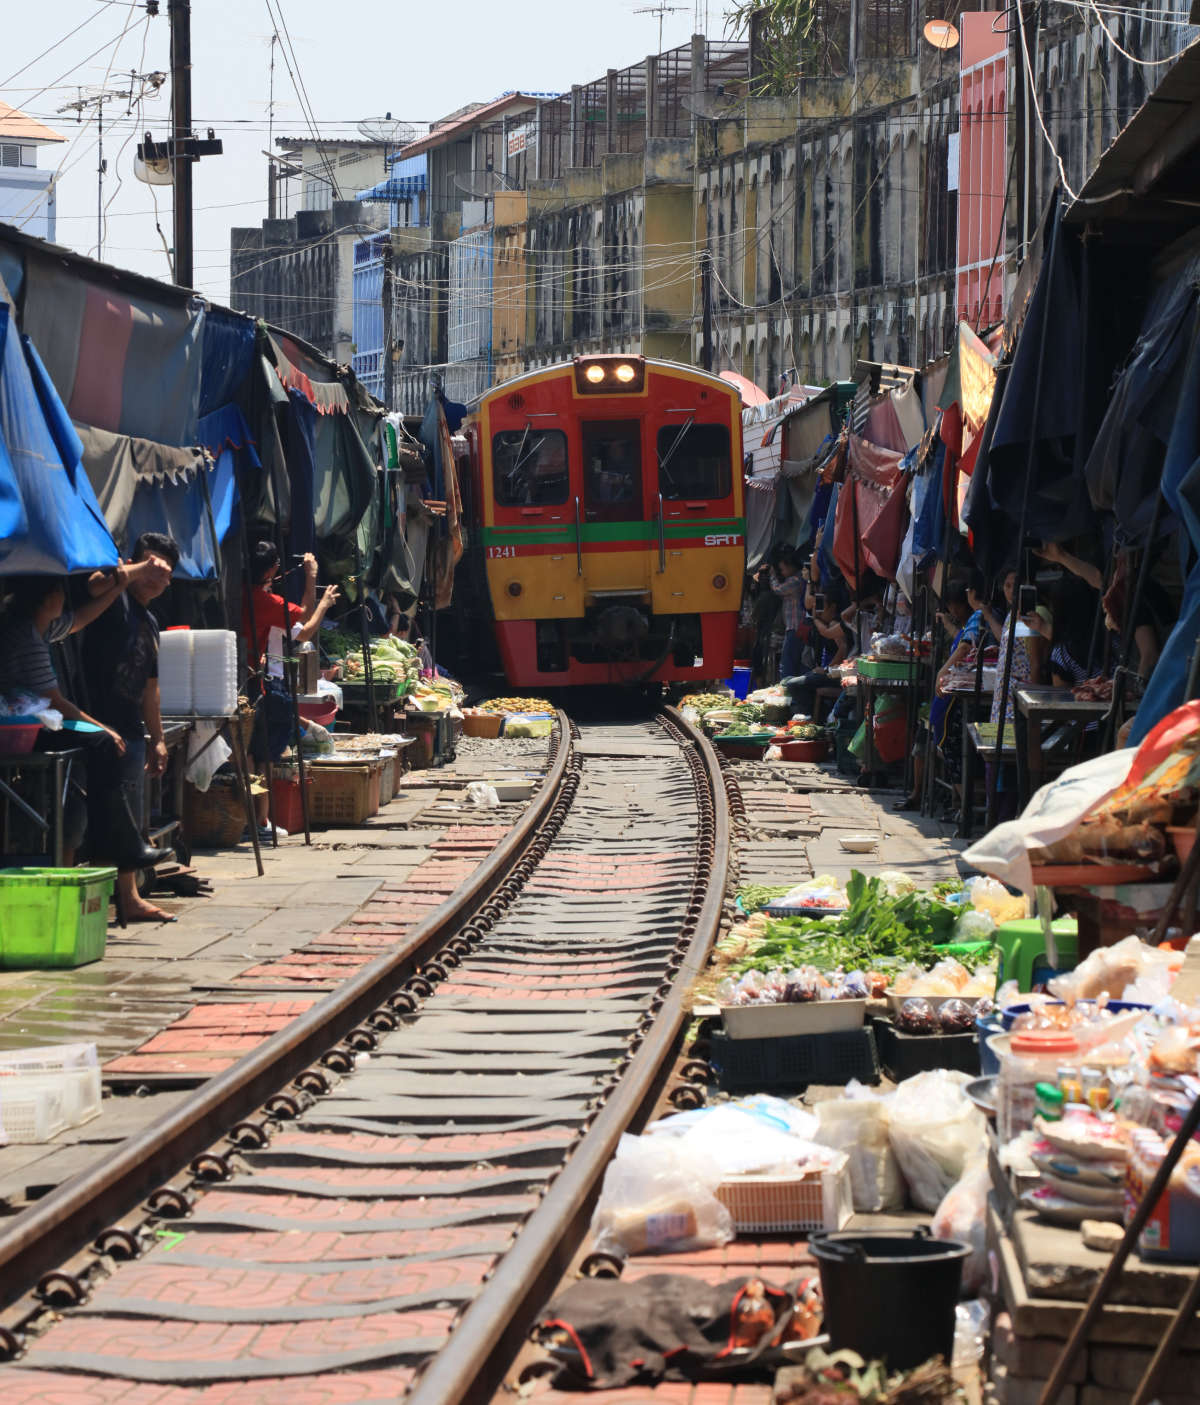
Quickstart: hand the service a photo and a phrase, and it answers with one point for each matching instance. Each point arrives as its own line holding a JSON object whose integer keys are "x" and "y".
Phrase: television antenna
{"x": 661, "y": 9}
{"x": 88, "y": 98}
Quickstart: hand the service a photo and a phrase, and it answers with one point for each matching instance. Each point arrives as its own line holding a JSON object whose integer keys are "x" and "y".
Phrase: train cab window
{"x": 693, "y": 461}
{"x": 612, "y": 470}
{"x": 529, "y": 467}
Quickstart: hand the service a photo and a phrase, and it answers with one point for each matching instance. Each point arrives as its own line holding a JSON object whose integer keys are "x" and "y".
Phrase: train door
{"x": 700, "y": 537}
{"x": 614, "y": 508}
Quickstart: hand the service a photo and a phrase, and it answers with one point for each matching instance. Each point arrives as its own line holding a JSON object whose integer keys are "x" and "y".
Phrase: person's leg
{"x": 133, "y": 787}
{"x": 789, "y": 659}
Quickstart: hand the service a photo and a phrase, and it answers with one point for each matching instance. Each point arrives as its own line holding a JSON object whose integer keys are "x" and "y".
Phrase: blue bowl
{"x": 986, "y": 1026}
{"x": 1010, "y": 1013}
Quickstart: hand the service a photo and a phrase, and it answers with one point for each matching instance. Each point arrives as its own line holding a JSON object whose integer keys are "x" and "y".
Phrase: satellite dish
{"x": 388, "y": 130}
{"x": 480, "y": 185}
{"x": 153, "y": 172}
{"x": 941, "y": 34}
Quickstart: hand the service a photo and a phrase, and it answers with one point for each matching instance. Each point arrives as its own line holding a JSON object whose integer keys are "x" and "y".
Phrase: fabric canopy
{"x": 117, "y": 464}
{"x": 873, "y": 479}
{"x": 124, "y": 363}
{"x": 50, "y": 521}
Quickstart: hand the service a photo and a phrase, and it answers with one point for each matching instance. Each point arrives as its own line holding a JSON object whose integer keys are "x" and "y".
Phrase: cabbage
{"x": 897, "y": 884}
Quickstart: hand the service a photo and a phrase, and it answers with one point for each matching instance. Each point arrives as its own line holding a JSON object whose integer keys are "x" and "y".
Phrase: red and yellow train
{"x": 606, "y": 498}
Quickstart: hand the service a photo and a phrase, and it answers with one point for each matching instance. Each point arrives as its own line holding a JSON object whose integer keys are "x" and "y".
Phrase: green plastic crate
{"x": 53, "y": 916}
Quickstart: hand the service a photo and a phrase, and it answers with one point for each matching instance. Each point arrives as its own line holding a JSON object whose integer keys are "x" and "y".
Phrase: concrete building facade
{"x": 27, "y": 195}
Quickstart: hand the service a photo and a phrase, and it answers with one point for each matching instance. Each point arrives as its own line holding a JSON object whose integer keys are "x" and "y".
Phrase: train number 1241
{"x": 495, "y": 553}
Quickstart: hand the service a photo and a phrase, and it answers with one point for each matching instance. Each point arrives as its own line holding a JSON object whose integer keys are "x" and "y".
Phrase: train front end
{"x": 610, "y": 502}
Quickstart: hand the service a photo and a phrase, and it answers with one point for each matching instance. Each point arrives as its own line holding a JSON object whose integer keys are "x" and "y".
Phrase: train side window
{"x": 694, "y": 462}
{"x": 529, "y": 467}
{"x": 612, "y": 470}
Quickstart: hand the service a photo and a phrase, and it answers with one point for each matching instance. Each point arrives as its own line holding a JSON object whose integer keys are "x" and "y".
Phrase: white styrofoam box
{"x": 175, "y": 672}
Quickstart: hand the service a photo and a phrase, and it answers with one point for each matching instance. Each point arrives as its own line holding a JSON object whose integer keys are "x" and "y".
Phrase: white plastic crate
{"x": 73, "y": 1070}
{"x": 804, "y": 1202}
{"x": 32, "y": 1109}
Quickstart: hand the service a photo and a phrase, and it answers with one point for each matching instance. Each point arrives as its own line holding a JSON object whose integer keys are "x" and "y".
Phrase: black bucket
{"x": 890, "y": 1295}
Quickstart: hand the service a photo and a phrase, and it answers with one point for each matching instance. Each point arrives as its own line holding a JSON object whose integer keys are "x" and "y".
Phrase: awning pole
{"x": 1023, "y": 520}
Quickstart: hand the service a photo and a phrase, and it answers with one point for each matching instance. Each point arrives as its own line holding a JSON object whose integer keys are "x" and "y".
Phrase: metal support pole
{"x": 181, "y": 130}
{"x": 1055, "y": 235}
{"x": 706, "y": 301}
{"x": 389, "y": 331}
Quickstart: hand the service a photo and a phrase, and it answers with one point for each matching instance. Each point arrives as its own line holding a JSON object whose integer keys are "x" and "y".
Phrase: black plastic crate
{"x": 902, "y": 1054}
{"x": 795, "y": 1061}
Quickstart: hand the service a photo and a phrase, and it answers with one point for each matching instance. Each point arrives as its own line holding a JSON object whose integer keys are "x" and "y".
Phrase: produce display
{"x": 392, "y": 661}
{"x": 799, "y": 729}
{"x": 510, "y": 705}
{"x": 755, "y": 896}
{"x": 706, "y": 702}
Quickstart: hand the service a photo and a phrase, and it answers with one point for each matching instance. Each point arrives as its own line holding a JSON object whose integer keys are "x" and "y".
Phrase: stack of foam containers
{"x": 197, "y": 672}
{"x": 175, "y": 672}
{"x": 214, "y": 672}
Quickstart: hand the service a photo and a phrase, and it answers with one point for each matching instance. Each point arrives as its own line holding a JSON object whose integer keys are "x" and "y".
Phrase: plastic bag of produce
{"x": 936, "y": 1132}
{"x": 658, "y": 1197}
{"x": 858, "y": 1125}
{"x": 962, "y": 1215}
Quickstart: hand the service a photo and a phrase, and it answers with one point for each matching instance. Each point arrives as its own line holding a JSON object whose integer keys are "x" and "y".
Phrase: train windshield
{"x": 529, "y": 467}
{"x": 612, "y": 470}
{"x": 694, "y": 461}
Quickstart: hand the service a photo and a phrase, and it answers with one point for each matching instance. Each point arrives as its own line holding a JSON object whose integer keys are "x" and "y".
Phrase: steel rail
{"x": 69, "y": 1219}
{"x": 489, "y": 1334}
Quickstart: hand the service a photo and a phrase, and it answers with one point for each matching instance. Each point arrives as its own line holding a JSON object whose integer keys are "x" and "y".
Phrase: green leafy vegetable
{"x": 755, "y": 896}
{"x": 875, "y": 931}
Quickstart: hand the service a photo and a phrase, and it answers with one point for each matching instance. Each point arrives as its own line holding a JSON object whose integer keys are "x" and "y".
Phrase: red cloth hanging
{"x": 873, "y": 479}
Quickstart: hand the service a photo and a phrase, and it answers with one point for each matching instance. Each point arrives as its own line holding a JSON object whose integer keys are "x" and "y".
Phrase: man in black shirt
{"x": 120, "y": 653}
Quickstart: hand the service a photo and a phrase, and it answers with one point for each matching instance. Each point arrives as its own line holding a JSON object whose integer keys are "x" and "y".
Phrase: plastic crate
{"x": 894, "y": 670}
{"x": 796, "y": 1061}
{"x": 342, "y": 795}
{"x": 53, "y": 917}
{"x": 903, "y": 1055}
{"x": 72, "y": 1067}
{"x": 814, "y": 1200}
{"x": 32, "y": 1110}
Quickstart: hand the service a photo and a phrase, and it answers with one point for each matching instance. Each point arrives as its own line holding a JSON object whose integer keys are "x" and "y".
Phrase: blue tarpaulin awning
{"x": 50, "y": 521}
{"x": 408, "y": 179}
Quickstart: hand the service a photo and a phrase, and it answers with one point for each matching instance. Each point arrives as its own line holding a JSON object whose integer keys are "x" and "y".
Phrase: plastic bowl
{"x": 17, "y": 735}
{"x": 859, "y": 843}
{"x": 1118, "y": 1007}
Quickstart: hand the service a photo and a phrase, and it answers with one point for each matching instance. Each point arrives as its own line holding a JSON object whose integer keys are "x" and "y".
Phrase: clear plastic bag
{"x": 482, "y": 796}
{"x": 962, "y": 1215}
{"x": 858, "y": 1125}
{"x": 658, "y": 1197}
{"x": 936, "y": 1132}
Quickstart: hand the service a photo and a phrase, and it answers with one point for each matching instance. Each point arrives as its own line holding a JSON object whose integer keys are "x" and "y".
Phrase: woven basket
{"x": 214, "y": 818}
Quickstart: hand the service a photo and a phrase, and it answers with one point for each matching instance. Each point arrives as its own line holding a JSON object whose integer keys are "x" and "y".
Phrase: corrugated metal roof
{"x": 477, "y": 117}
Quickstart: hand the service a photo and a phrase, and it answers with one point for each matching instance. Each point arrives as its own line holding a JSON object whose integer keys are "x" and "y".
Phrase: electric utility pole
{"x": 181, "y": 130}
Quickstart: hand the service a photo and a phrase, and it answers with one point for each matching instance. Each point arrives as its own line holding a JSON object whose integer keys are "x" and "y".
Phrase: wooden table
{"x": 1034, "y": 710}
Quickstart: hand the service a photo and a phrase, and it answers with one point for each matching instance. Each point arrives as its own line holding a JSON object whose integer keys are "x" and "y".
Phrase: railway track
{"x": 377, "y": 1199}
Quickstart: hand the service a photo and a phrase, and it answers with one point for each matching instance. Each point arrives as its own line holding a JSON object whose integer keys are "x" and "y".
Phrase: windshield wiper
{"x": 670, "y": 454}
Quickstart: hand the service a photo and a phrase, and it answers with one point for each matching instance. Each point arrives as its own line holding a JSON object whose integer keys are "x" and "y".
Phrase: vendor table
{"x": 868, "y": 691}
{"x": 1035, "y": 710}
{"x": 52, "y": 771}
{"x": 979, "y": 739}
{"x": 240, "y": 762}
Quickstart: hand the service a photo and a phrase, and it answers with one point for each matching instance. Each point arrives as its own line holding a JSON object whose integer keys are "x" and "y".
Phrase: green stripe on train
{"x": 558, "y": 533}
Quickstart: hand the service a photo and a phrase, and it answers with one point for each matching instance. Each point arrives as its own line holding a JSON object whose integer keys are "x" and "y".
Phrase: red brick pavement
{"x": 143, "y": 1339}
{"x": 29, "y": 1387}
{"x": 349, "y": 1213}
{"x": 260, "y": 1289}
{"x": 292, "y": 1246}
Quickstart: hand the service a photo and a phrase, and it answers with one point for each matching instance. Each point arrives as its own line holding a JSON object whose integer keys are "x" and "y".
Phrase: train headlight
{"x": 624, "y": 373}
{"x": 515, "y": 588}
{"x": 719, "y": 582}
{"x": 609, "y": 375}
{"x": 595, "y": 374}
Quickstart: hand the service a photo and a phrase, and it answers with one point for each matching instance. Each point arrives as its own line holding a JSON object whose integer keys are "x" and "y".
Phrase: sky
{"x": 355, "y": 60}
